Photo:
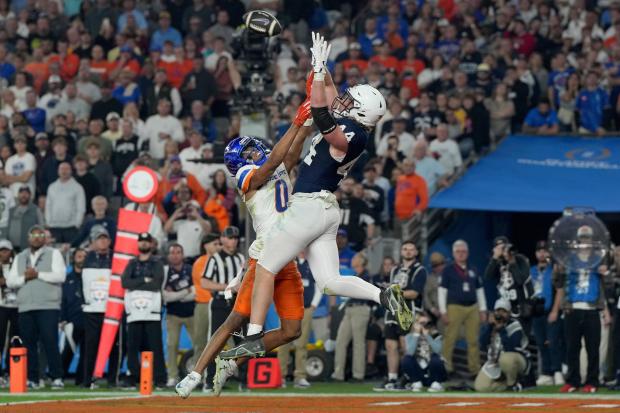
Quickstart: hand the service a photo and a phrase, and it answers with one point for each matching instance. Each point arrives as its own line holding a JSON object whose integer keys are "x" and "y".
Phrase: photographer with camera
{"x": 547, "y": 327}
{"x": 507, "y": 355}
{"x": 189, "y": 226}
{"x": 423, "y": 364}
{"x": 511, "y": 271}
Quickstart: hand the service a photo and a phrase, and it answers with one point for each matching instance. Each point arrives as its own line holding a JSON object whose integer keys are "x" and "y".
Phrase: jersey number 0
{"x": 281, "y": 195}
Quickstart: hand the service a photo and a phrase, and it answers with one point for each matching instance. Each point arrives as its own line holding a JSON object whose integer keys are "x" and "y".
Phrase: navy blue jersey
{"x": 319, "y": 170}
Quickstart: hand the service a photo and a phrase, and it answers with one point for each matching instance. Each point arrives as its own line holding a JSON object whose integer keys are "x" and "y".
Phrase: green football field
{"x": 71, "y": 392}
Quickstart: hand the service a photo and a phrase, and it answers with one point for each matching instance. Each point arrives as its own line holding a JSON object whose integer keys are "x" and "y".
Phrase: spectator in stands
{"x": 126, "y": 148}
{"x": 411, "y": 198}
{"x": 542, "y": 119}
{"x": 583, "y": 306}
{"x": 178, "y": 187}
{"x": 422, "y": 364}
{"x": 162, "y": 89}
{"x": 462, "y": 304}
{"x": 38, "y": 273}
{"x": 199, "y": 84}
{"x": 179, "y": 297}
{"x": 84, "y": 177}
{"x": 367, "y": 38}
{"x": 19, "y": 169}
{"x": 353, "y": 329}
{"x": 592, "y": 102}
{"x": 220, "y": 204}
{"x": 126, "y": 91}
{"x": 100, "y": 167}
{"x": 345, "y": 253}
{"x": 357, "y": 218}
{"x": 113, "y": 132}
{"x": 23, "y": 216}
{"x": 312, "y": 297}
{"x": 71, "y": 102}
{"x": 547, "y": 327}
{"x": 143, "y": 279}
{"x": 161, "y": 128}
{"x": 428, "y": 167}
{"x": 410, "y": 275}
{"x": 86, "y": 88}
{"x": 446, "y": 150}
{"x": 210, "y": 245}
{"x": 406, "y": 141}
{"x": 95, "y": 131}
{"x": 65, "y": 205}
{"x": 501, "y": 110}
{"x": 507, "y": 355}
{"x": 165, "y": 32}
{"x": 96, "y": 280}
{"x": 94, "y": 224}
{"x": 189, "y": 226}
{"x": 511, "y": 273}
{"x": 72, "y": 317}
{"x": 35, "y": 116}
{"x": 374, "y": 195}
{"x": 106, "y": 104}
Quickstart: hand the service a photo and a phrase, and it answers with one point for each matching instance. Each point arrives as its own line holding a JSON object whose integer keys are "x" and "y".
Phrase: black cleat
{"x": 251, "y": 346}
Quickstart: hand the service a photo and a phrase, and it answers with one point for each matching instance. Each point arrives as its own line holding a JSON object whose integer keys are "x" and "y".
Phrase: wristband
{"x": 323, "y": 119}
{"x": 319, "y": 76}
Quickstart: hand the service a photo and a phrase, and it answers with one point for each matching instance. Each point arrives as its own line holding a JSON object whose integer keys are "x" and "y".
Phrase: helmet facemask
{"x": 342, "y": 105}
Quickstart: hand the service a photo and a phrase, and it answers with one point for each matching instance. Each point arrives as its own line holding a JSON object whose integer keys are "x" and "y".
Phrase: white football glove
{"x": 320, "y": 52}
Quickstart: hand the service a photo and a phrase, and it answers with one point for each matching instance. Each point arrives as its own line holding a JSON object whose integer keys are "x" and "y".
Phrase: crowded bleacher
{"x": 90, "y": 89}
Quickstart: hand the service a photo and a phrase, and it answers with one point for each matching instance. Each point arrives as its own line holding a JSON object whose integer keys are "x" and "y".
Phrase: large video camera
{"x": 255, "y": 53}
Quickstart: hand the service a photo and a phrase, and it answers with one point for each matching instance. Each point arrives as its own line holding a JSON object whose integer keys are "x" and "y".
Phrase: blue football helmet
{"x": 245, "y": 150}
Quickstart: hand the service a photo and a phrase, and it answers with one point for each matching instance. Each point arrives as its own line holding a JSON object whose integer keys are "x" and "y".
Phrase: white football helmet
{"x": 362, "y": 103}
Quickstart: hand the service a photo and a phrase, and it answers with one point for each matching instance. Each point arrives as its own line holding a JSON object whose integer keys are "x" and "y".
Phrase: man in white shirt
{"x": 20, "y": 168}
{"x": 428, "y": 167}
{"x": 52, "y": 98}
{"x": 193, "y": 151}
{"x": 71, "y": 102}
{"x": 446, "y": 149}
{"x": 405, "y": 139}
{"x": 189, "y": 227}
{"x": 162, "y": 127}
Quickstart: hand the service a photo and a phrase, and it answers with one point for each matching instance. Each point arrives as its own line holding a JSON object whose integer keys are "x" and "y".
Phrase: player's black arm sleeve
{"x": 323, "y": 119}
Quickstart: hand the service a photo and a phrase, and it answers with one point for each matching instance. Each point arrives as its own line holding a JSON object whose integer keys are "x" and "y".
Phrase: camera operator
{"x": 422, "y": 364}
{"x": 583, "y": 307}
{"x": 507, "y": 355}
{"x": 547, "y": 327}
{"x": 511, "y": 271}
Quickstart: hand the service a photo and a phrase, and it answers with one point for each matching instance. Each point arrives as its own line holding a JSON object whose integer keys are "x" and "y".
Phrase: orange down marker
{"x": 146, "y": 373}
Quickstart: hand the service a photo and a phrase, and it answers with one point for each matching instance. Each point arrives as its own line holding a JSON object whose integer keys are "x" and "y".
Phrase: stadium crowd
{"x": 90, "y": 89}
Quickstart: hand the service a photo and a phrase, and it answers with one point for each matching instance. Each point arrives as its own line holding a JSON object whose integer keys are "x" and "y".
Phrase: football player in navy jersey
{"x": 312, "y": 218}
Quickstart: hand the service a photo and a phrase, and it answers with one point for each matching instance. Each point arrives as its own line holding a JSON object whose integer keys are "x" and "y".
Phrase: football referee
{"x": 221, "y": 268}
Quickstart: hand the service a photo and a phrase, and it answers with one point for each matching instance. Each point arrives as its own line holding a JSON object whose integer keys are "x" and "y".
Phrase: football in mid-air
{"x": 261, "y": 22}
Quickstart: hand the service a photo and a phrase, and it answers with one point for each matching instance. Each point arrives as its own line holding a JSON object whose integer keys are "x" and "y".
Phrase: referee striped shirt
{"x": 223, "y": 267}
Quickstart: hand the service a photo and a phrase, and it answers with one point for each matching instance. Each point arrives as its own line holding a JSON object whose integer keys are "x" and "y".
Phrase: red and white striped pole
{"x": 140, "y": 185}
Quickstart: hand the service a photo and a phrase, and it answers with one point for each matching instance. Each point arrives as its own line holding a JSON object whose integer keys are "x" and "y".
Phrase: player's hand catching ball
{"x": 320, "y": 52}
{"x": 303, "y": 116}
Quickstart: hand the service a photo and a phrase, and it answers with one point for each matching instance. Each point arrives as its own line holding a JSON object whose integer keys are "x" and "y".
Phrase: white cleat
{"x": 189, "y": 383}
{"x": 224, "y": 369}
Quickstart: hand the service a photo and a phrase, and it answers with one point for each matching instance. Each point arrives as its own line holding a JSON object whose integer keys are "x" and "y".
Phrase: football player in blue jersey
{"x": 311, "y": 221}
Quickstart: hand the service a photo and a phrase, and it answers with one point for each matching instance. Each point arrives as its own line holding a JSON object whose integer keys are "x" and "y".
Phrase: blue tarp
{"x": 540, "y": 174}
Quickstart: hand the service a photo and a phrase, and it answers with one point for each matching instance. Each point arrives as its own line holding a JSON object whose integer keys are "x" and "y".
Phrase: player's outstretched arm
{"x": 294, "y": 153}
{"x": 281, "y": 149}
{"x": 323, "y": 119}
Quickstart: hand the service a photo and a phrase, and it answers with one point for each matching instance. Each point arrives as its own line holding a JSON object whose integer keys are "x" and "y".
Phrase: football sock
{"x": 254, "y": 329}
